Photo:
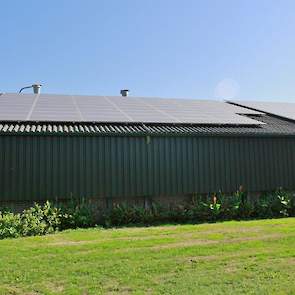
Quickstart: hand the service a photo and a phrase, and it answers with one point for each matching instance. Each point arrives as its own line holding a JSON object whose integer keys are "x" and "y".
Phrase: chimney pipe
{"x": 36, "y": 88}
{"x": 124, "y": 92}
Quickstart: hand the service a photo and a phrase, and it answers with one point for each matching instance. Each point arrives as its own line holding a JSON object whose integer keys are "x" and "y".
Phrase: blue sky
{"x": 164, "y": 48}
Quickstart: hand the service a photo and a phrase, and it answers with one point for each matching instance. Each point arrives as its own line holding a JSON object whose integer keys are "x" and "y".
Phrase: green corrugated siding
{"x": 40, "y": 167}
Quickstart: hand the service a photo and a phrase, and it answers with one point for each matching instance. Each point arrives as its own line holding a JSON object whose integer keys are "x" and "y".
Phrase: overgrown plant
{"x": 76, "y": 213}
{"x": 48, "y": 218}
{"x": 276, "y": 204}
{"x": 10, "y": 225}
{"x": 45, "y": 219}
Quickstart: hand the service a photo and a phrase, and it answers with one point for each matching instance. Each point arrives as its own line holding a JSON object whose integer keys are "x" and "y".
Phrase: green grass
{"x": 249, "y": 257}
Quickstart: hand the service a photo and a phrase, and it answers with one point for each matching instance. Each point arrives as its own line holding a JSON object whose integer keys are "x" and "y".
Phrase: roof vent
{"x": 124, "y": 92}
{"x": 36, "y": 88}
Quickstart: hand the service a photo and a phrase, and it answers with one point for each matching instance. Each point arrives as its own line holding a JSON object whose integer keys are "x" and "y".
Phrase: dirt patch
{"x": 18, "y": 291}
{"x": 114, "y": 287}
{"x": 288, "y": 260}
{"x": 184, "y": 244}
{"x": 230, "y": 268}
{"x": 188, "y": 239}
{"x": 151, "y": 237}
{"x": 55, "y": 287}
{"x": 123, "y": 291}
{"x": 158, "y": 235}
{"x": 196, "y": 259}
{"x": 197, "y": 242}
{"x": 69, "y": 243}
{"x": 257, "y": 238}
{"x": 248, "y": 253}
{"x": 239, "y": 230}
{"x": 189, "y": 234}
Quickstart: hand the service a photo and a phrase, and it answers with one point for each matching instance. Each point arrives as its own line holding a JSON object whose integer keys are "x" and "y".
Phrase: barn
{"x": 133, "y": 149}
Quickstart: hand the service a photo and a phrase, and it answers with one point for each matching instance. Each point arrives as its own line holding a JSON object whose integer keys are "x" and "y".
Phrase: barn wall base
{"x": 102, "y": 205}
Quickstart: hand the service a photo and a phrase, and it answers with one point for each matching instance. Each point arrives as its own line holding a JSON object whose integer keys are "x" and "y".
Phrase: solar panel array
{"x": 281, "y": 109}
{"x": 75, "y": 108}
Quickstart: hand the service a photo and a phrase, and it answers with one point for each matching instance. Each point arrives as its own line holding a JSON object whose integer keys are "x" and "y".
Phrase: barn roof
{"x": 45, "y": 114}
{"x": 284, "y": 110}
{"x": 118, "y": 109}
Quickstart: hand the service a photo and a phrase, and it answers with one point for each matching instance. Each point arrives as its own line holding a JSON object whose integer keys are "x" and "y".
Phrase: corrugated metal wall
{"x": 49, "y": 167}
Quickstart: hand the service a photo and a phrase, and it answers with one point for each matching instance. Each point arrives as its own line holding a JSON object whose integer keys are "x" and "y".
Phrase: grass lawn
{"x": 249, "y": 257}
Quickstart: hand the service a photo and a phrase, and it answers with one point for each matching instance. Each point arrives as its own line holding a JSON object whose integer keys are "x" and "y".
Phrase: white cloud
{"x": 227, "y": 89}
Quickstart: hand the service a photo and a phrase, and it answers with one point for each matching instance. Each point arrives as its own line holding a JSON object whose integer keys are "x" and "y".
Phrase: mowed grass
{"x": 249, "y": 257}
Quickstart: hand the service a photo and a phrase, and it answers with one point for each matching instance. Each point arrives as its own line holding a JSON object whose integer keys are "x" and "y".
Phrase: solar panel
{"x": 76, "y": 108}
{"x": 52, "y": 108}
{"x": 282, "y": 109}
{"x": 140, "y": 111}
{"x": 15, "y": 107}
{"x": 93, "y": 108}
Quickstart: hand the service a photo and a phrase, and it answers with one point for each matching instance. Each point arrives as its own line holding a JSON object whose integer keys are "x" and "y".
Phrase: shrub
{"x": 40, "y": 220}
{"x": 122, "y": 214}
{"x": 45, "y": 219}
{"x": 291, "y": 210}
{"x": 5, "y": 209}
{"x": 48, "y": 218}
{"x": 10, "y": 225}
{"x": 207, "y": 209}
{"x": 199, "y": 211}
{"x": 76, "y": 213}
{"x": 275, "y": 204}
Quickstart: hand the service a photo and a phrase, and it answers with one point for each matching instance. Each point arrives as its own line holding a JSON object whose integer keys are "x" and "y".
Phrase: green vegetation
{"x": 49, "y": 218}
{"x": 233, "y": 257}
{"x": 46, "y": 219}
{"x": 218, "y": 207}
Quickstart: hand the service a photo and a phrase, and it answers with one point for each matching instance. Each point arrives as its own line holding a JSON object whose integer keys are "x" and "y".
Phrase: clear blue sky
{"x": 164, "y": 48}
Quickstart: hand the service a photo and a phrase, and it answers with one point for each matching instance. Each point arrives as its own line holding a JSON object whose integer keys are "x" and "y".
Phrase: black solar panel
{"x": 282, "y": 109}
{"x": 75, "y": 108}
